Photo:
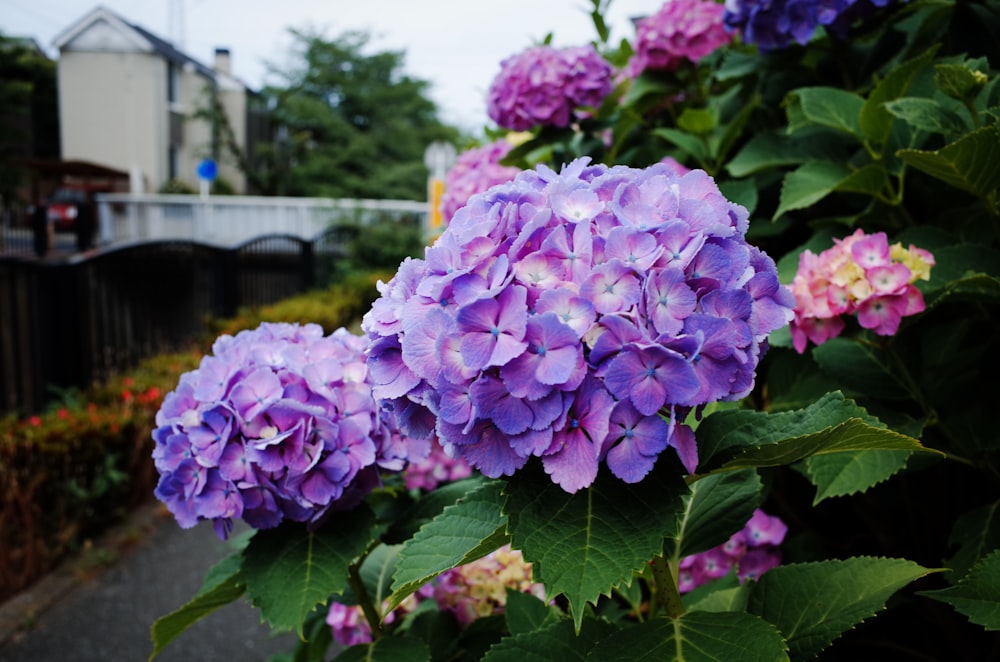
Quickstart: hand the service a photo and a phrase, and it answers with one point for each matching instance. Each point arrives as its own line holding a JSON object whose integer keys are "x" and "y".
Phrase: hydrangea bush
{"x": 474, "y": 171}
{"x": 579, "y": 317}
{"x": 548, "y": 86}
{"x": 277, "y": 423}
{"x": 618, "y": 298}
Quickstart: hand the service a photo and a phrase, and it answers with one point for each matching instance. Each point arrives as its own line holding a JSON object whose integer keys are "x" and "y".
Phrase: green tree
{"x": 29, "y": 117}
{"x": 350, "y": 124}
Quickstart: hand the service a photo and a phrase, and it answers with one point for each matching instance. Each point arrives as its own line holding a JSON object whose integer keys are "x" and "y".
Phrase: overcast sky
{"x": 456, "y": 45}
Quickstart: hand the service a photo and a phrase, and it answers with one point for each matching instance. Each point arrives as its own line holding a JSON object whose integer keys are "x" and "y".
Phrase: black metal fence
{"x": 67, "y": 323}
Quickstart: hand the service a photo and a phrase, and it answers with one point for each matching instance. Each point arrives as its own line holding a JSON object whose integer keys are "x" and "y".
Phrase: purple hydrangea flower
{"x": 752, "y": 551}
{"x": 774, "y": 24}
{"x": 278, "y": 423}
{"x": 475, "y": 170}
{"x": 577, "y": 317}
{"x": 548, "y": 86}
{"x": 680, "y": 30}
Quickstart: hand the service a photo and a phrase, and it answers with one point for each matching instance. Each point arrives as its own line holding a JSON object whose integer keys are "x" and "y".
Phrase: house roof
{"x": 134, "y": 36}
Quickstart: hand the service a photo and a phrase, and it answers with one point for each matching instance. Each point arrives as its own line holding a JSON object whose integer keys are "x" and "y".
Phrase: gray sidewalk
{"x": 153, "y": 567}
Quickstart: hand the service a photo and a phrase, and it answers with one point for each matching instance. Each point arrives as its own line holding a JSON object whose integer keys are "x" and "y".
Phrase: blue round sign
{"x": 207, "y": 170}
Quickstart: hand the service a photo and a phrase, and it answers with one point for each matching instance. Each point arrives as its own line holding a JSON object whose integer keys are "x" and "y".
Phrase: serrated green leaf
{"x": 875, "y": 119}
{"x": 222, "y": 592}
{"x": 977, "y": 595}
{"x": 718, "y": 506}
{"x": 976, "y": 533}
{"x": 696, "y": 636}
{"x": 582, "y": 545}
{"x": 808, "y": 184}
{"x": 824, "y": 106}
{"x": 870, "y": 180}
{"x": 468, "y": 530}
{"x": 969, "y": 163}
{"x": 862, "y": 368}
{"x": 928, "y": 115}
{"x": 526, "y": 613}
{"x": 387, "y": 649}
{"x": 556, "y": 643}
{"x": 840, "y": 474}
{"x": 428, "y": 506}
{"x": 724, "y": 433}
{"x": 290, "y": 571}
{"x": 814, "y": 603}
{"x": 742, "y": 192}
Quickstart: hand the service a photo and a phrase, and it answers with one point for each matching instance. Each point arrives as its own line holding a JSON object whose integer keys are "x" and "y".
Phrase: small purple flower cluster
{"x": 547, "y": 86}
{"x": 474, "y": 171}
{"x": 681, "y": 30}
{"x": 752, "y": 551}
{"x": 775, "y": 24}
{"x": 278, "y": 422}
{"x": 578, "y": 317}
{"x": 437, "y": 469}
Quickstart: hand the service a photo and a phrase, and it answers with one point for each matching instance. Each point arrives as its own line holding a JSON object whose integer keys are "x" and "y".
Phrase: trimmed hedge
{"x": 68, "y": 474}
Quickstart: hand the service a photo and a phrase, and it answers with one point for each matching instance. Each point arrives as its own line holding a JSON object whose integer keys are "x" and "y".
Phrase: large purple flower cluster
{"x": 278, "y": 422}
{"x": 774, "y": 24}
{"x": 681, "y": 30}
{"x": 475, "y": 170}
{"x": 579, "y": 317}
{"x": 546, "y": 86}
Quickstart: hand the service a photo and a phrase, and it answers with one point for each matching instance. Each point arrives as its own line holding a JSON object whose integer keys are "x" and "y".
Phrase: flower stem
{"x": 364, "y": 600}
{"x": 667, "y": 594}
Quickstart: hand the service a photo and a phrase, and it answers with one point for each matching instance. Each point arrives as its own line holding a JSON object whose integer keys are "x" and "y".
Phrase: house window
{"x": 172, "y": 83}
{"x": 173, "y": 162}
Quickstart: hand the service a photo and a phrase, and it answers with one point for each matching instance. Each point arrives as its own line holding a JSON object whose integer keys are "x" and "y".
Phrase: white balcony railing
{"x": 231, "y": 219}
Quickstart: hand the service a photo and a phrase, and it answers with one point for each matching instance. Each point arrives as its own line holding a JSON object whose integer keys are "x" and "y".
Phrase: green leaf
{"x": 376, "y": 571}
{"x": 958, "y": 80}
{"x": 875, "y": 119}
{"x": 808, "y": 184}
{"x": 555, "y": 643}
{"x": 841, "y": 474}
{"x": 977, "y": 595}
{"x": 862, "y": 368}
{"x": 697, "y": 120}
{"x": 928, "y": 115}
{"x": 526, "y": 613}
{"x": 771, "y": 150}
{"x": 584, "y": 544}
{"x": 428, "y": 506}
{"x": 290, "y": 571}
{"x": 976, "y": 533}
{"x": 218, "y": 593}
{"x": 719, "y": 505}
{"x": 824, "y": 106}
{"x": 696, "y": 636}
{"x": 723, "y": 594}
{"x": 814, "y": 603}
{"x": 387, "y": 649}
{"x": 969, "y": 163}
{"x": 685, "y": 141}
{"x": 468, "y": 530}
{"x": 742, "y": 192}
{"x": 871, "y": 180}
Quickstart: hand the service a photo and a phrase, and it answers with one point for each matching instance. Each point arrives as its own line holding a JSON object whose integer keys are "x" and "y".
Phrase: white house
{"x": 127, "y": 100}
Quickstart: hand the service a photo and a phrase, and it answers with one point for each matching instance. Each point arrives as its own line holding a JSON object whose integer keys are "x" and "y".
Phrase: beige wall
{"x": 111, "y": 111}
{"x": 114, "y": 111}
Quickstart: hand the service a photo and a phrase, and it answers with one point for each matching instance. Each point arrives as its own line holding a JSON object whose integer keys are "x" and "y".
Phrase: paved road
{"x": 106, "y": 617}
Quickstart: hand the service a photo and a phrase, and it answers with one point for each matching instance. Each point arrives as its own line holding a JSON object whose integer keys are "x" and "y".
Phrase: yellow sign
{"x": 436, "y": 192}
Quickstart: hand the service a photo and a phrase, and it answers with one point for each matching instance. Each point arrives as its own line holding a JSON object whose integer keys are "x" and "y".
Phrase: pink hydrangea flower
{"x": 474, "y": 171}
{"x": 479, "y": 588}
{"x": 547, "y": 86}
{"x": 680, "y": 30}
{"x": 860, "y": 274}
{"x": 752, "y": 551}
{"x": 438, "y": 468}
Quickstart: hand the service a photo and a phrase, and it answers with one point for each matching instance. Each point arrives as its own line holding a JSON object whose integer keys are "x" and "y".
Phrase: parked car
{"x": 66, "y": 205}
